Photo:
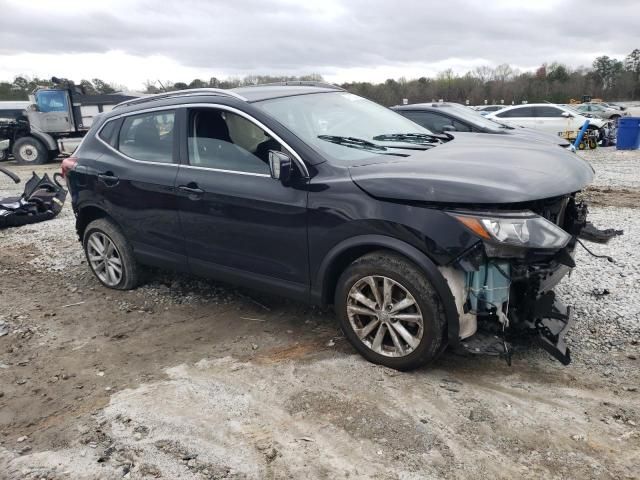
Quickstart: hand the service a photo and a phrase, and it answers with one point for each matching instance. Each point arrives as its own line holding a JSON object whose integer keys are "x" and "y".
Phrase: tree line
{"x": 608, "y": 78}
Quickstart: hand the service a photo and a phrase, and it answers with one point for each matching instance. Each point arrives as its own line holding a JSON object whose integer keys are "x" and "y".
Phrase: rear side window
{"x": 517, "y": 113}
{"x": 547, "y": 112}
{"x": 107, "y": 132}
{"x": 148, "y": 137}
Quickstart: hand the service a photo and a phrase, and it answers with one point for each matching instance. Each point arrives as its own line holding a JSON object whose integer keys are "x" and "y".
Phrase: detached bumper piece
{"x": 548, "y": 332}
{"x": 41, "y": 200}
{"x": 552, "y": 330}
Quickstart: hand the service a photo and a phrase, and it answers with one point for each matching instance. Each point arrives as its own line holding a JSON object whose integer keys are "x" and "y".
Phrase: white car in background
{"x": 547, "y": 117}
{"x": 487, "y": 109}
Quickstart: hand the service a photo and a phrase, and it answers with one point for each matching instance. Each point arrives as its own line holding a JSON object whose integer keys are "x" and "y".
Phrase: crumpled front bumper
{"x": 504, "y": 294}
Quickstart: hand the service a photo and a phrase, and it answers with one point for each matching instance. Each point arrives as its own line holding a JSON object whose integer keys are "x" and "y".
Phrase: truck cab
{"x": 53, "y": 112}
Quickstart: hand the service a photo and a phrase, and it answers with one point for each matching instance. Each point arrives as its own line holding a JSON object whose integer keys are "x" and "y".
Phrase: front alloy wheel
{"x": 390, "y": 312}
{"x": 385, "y": 316}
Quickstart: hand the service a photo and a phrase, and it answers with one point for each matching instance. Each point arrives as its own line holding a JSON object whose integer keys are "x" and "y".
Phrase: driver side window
{"x": 224, "y": 140}
{"x": 435, "y": 122}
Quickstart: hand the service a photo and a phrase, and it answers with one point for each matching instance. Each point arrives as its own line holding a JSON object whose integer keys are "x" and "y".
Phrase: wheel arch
{"x": 341, "y": 256}
{"x": 88, "y": 214}
{"x": 47, "y": 140}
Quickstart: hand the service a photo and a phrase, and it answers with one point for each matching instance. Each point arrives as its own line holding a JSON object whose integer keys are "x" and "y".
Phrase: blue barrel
{"x": 628, "y": 133}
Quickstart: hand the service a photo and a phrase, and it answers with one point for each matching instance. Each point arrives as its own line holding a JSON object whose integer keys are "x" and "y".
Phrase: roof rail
{"x": 298, "y": 83}
{"x": 180, "y": 93}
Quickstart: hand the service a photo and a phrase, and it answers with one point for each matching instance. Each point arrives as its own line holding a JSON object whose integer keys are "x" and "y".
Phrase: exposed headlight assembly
{"x": 520, "y": 229}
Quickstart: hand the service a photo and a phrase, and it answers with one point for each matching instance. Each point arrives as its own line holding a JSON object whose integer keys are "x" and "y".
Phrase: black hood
{"x": 476, "y": 168}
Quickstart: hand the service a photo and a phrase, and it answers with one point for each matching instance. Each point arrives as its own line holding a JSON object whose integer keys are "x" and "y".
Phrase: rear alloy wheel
{"x": 109, "y": 255}
{"x": 104, "y": 258}
{"x": 390, "y": 312}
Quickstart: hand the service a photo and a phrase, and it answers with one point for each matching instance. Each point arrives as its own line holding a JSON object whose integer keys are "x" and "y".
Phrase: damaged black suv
{"x": 420, "y": 241}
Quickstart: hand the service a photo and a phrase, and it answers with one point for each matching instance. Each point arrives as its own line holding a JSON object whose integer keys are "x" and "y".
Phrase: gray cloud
{"x": 245, "y": 36}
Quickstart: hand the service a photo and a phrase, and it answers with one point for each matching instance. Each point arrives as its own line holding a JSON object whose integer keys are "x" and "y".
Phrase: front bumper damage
{"x": 505, "y": 296}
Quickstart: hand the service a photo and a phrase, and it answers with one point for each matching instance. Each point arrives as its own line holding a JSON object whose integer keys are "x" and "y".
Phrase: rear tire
{"x": 411, "y": 336}
{"x": 110, "y": 256}
{"x": 30, "y": 151}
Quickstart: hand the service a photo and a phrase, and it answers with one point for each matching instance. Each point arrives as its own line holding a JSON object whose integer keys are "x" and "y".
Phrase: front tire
{"x": 30, "y": 151}
{"x": 110, "y": 256}
{"x": 390, "y": 312}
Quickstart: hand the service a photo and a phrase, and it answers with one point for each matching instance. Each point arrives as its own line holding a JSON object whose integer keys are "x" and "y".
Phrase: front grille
{"x": 553, "y": 209}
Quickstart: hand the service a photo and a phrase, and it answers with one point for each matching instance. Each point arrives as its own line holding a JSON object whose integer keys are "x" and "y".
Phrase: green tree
{"x": 197, "y": 83}
{"x": 632, "y": 62}
{"x": 607, "y": 70}
{"x": 88, "y": 87}
{"x": 101, "y": 86}
{"x": 557, "y": 72}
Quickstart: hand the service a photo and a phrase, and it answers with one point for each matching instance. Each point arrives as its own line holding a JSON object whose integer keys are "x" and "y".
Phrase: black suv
{"x": 419, "y": 240}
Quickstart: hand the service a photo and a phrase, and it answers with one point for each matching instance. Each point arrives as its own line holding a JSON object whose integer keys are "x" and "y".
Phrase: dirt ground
{"x": 599, "y": 196}
{"x": 191, "y": 379}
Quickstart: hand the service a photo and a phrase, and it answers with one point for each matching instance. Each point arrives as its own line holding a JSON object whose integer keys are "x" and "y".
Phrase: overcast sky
{"x": 130, "y": 41}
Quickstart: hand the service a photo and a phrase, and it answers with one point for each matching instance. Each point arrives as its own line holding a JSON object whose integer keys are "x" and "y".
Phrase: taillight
{"x": 67, "y": 165}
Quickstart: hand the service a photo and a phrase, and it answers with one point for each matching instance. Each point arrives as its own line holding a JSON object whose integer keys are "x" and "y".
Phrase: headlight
{"x": 522, "y": 229}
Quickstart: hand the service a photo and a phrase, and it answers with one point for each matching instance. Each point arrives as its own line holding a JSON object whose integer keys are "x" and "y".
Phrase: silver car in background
{"x": 600, "y": 110}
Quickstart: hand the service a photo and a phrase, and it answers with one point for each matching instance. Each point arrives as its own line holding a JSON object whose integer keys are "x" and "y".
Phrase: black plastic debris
{"x": 42, "y": 199}
{"x": 591, "y": 233}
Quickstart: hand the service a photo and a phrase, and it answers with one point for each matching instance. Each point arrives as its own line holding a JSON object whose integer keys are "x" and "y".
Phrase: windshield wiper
{"x": 420, "y": 138}
{"x": 360, "y": 143}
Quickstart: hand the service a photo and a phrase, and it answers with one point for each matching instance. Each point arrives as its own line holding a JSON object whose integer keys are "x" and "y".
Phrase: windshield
{"x": 342, "y": 125}
{"x": 51, "y": 101}
{"x": 571, "y": 109}
{"x": 471, "y": 116}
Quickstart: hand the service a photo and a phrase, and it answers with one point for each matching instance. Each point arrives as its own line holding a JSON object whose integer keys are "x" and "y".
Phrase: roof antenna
{"x": 163, "y": 89}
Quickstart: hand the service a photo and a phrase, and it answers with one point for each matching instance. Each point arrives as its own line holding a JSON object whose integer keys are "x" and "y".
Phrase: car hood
{"x": 538, "y": 136}
{"x": 476, "y": 168}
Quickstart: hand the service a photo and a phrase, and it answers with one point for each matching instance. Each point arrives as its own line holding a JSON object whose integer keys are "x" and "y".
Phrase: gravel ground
{"x": 188, "y": 378}
{"x": 614, "y": 168}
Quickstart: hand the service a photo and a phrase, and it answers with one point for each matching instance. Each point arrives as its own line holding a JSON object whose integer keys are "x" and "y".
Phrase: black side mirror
{"x": 280, "y": 165}
{"x": 448, "y": 128}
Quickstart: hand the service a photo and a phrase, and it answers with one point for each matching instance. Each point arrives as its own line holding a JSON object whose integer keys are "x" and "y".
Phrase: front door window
{"x": 224, "y": 140}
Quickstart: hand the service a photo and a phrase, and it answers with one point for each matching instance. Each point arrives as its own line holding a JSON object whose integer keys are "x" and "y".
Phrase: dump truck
{"x": 52, "y": 122}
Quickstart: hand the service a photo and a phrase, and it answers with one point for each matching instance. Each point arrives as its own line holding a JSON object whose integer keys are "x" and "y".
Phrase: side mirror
{"x": 567, "y": 115}
{"x": 448, "y": 128}
{"x": 279, "y": 165}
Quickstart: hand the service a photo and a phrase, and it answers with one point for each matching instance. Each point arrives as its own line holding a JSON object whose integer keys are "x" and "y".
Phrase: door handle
{"x": 192, "y": 190}
{"x": 108, "y": 178}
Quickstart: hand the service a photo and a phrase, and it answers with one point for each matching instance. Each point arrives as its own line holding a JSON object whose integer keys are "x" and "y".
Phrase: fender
{"x": 318, "y": 289}
{"x": 45, "y": 138}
